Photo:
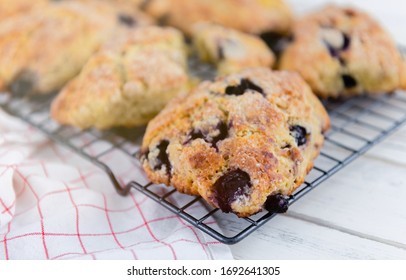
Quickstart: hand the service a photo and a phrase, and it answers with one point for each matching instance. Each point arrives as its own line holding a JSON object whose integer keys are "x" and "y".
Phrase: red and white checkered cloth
{"x": 55, "y": 205}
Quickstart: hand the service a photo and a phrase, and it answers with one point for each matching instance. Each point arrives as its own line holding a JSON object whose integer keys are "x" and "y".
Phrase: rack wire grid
{"x": 358, "y": 124}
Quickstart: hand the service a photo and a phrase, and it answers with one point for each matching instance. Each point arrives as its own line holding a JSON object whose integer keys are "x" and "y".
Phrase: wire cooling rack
{"x": 357, "y": 125}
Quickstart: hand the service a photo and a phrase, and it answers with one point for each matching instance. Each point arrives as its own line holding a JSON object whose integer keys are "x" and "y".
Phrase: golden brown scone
{"x": 42, "y": 49}
{"x": 242, "y": 142}
{"x": 343, "y": 52}
{"x": 130, "y": 5}
{"x": 133, "y": 3}
{"x": 251, "y": 16}
{"x": 11, "y": 7}
{"x": 127, "y": 82}
{"x": 230, "y": 50}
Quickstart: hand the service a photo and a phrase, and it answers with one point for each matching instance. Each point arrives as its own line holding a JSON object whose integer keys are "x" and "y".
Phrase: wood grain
{"x": 290, "y": 238}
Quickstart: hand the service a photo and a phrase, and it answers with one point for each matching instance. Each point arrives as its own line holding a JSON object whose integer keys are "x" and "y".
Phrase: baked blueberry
{"x": 276, "y": 42}
{"x": 222, "y": 134}
{"x": 163, "y": 158}
{"x": 127, "y": 20}
{"x": 349, "y": 81}
{"x": 244, "y": 85}
{"x": 220, "y": 52}
{"x": 299, "y": 133}
{"x": 23, "y": 83}
{"x": 335, "y": 41}
{"x": 230, "y": 187}
{"x": 276, "y": 204}
{"x": 195, "y": 134}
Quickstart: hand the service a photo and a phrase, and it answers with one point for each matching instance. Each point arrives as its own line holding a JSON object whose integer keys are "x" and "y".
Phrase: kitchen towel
{"x": 56, "y": 205}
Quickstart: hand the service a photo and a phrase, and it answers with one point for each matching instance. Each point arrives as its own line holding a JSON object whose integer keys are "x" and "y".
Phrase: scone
{"x": 243, "y": 142}
{"x": 251, "y": 16}
{"x": 42, "y": 49}
{"x": 230, "y": 50}
{"x": 127, "y": 82}
{"x": 344, "y": 52}
{"x": 11, "y": 7}
{"x": 129, "y": 4}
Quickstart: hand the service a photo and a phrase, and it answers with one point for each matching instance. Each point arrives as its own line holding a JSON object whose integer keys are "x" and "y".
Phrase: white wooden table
{"x": 359, "y": 213}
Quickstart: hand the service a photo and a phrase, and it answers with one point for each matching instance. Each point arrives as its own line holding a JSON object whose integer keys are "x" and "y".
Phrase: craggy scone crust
{"x": 42, "y": 49}
{"x": 127, "y": 82}
{"x": 230, "y": 50}
{"x": 251, "y": 16}
{"x": 239, "y": 141}
{"x": 11, "y": 7}
{"x": 344, "y": 52}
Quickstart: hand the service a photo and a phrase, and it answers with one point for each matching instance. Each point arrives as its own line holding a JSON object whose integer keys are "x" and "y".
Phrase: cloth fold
{"x": 56, "y": 205}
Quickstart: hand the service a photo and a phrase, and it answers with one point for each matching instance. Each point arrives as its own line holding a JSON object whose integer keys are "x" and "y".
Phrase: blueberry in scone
{"x": 42, "y": 49}
{"x": 230, "y": 50}
{"x": 127, "y": 82}
{"x": 253, "y": 16}
{"x": 343, "y": 52}
{"x": 244, "y": 142}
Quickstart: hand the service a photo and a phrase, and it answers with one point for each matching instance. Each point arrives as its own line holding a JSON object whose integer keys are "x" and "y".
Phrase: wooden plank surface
{"x": 367, "y": 197}
{"x": 291, "y": 238}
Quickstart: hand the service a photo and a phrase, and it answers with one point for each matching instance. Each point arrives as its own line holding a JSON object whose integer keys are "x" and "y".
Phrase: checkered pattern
{"x": 55, "y": 205}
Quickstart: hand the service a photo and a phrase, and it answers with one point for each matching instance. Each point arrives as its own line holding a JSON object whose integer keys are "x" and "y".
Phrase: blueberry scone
{"x": 40, "y": 50}
{"x": 230, "y": 50}
{"x": 243, "y": 142}
{"x": 127, "y": 82}
{"x": 344, "y": 52}
{"x": 251, "y": 16}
